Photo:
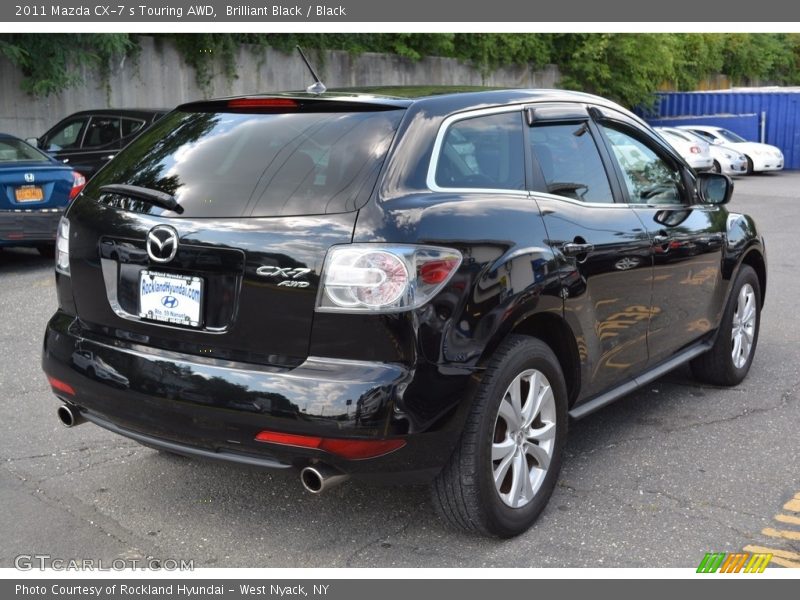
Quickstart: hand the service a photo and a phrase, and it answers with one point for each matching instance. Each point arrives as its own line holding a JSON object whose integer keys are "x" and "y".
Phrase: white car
{"x": 726, "y": 159}
{"x": 696, "y": 154}
{"x": 760, "y": 157}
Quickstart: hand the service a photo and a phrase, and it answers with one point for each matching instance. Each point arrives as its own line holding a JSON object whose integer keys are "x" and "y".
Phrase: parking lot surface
{"x": 658, "y": 479}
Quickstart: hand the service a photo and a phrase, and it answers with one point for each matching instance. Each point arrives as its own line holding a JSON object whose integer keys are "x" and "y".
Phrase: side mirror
{"x": 714, "y": 188}
{"x": 33, "y": 142}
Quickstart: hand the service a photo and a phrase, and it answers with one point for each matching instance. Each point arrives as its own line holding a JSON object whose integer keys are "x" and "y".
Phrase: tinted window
{"x": 730, "y": 136}
{"x": 569, "y": 161}
{"x": 66, "y": 136}
{"x": 704, "y": 134}
{"x": 483, "y": 152}
{"x": 102, "y": 132}
{"x": 12, "y": 150}
{"x": 131, "y": 126}
{"x": 648, "y": 177}
{"x": 234, "y": 164}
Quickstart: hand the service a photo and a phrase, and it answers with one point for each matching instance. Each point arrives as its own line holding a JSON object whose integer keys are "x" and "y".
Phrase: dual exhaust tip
{"x": 315, "y": 479}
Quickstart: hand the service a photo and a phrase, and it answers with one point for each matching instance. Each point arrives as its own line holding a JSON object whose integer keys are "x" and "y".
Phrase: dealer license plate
{"x": 171, "y": 298}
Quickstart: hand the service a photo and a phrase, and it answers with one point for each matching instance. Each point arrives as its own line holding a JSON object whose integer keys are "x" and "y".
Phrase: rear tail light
{"x": 694, "y": 150}
{"x": 78, "y": 181}
{"x": 62, "y": 246}
{"x": 351, "y": 449}
{"x": 384, "y": 278}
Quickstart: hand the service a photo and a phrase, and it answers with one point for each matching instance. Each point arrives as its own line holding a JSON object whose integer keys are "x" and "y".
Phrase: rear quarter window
{"x": 220, "y": 164}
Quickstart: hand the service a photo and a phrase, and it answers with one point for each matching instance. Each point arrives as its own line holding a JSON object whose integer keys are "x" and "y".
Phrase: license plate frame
{"x": 29, "y": 193}
{"x": 171, "y": 298}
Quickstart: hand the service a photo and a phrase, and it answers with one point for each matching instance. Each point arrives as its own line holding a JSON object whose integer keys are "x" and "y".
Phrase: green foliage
{"x": 751, "y": 56}
{"x": 201, "y": 51}
{"x": 50, "y": 62}
{"x": 623, "y": 66}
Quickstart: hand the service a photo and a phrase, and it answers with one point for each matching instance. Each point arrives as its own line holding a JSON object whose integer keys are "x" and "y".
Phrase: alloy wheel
{"x": 744, "y": 326}
{"x": 524, "y": 438}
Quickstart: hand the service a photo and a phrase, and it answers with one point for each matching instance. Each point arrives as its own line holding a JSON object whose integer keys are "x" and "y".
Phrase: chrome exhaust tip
{"x": 319, "y": 478}
{"x": 69, "y": 416}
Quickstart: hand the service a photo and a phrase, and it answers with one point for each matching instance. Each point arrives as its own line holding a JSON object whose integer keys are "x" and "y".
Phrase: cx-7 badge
{"x": 289, "y": 276}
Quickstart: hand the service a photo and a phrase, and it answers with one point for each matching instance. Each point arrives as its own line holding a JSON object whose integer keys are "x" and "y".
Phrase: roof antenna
{"x": 317, "y": 87}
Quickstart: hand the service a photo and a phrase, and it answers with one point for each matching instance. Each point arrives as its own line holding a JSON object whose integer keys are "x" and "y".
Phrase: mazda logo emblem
{"x": 162, "y": 243}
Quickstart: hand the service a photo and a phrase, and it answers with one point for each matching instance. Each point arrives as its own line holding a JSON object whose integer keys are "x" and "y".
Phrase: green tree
{"x": 49, "y": 61}
{"x": 625, "y": 67}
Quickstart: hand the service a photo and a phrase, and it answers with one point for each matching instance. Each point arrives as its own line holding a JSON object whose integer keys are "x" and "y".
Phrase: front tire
{"x": 503, "y": 471}
{"x": 750, "y": 168}
{"x": 729, "y": 360}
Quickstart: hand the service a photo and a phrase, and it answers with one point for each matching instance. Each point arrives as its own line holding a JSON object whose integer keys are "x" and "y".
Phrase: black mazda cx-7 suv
{"x": 396, "y": 284}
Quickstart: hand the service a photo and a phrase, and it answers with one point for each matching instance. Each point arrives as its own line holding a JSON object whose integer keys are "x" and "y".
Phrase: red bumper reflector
{"x": 352, "y": 449}
{"x": 60, "y": 386}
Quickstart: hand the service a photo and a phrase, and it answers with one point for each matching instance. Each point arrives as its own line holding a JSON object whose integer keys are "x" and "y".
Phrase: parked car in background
{"x": 695, "y": 153}
{"x": 34, "y": 191}
{"x": 760, "y": 157}
{"x": 88, "y": 139}
{"x": 727, "y": 160}
{"x": 400, "y": 284}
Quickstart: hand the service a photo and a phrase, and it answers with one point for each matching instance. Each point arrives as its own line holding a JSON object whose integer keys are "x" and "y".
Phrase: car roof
{"x": 438, "y": 99}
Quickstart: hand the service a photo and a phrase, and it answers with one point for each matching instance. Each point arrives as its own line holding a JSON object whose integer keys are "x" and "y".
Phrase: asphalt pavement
{"x": 671, "y": 472}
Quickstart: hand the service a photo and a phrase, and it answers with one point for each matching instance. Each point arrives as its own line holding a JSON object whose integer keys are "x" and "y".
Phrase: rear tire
{"x": 717, "y": 168}
{"x": 504, "y": 469}
{"x": 47, "y": 250}
{"x": 729, "y": 360}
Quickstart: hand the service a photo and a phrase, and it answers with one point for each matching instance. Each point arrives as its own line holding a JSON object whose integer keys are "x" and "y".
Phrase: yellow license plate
{"x": 29, "y": 193}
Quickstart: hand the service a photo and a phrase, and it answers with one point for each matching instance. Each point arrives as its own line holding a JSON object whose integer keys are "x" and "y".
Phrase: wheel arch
{"x": 552, "y": 329}
{"x": 755, "y": 259}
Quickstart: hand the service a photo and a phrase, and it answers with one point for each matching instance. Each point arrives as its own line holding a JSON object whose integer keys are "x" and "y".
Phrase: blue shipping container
{"x": 780, "y": 109}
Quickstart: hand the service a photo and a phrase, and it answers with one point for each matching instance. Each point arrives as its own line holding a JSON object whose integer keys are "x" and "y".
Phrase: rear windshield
{"x": 12, "y": 151}
{"x": 261, "y": 165}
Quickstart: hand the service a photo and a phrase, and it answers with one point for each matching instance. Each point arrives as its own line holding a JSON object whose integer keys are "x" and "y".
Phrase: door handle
{"x": 574, "y": 248}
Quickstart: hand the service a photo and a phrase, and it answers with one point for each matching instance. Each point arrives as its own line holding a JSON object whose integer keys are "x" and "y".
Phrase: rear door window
{"x": 102, "y": 131}
{"x": 220, "y": 164}
{"x": 483, "y": 152}
{"x": 131, "y": 126}
{"x": 569, "y": 162}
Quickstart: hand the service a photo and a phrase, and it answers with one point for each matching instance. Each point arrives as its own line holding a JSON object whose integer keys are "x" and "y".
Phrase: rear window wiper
{"x": 161, "y": 199}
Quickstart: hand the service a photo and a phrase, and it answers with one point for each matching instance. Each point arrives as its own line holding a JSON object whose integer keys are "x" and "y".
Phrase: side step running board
{"x": 606, "y": 398}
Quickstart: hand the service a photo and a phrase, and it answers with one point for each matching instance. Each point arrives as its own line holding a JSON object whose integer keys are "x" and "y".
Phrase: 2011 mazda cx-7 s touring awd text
{"x": 397, "y": 287}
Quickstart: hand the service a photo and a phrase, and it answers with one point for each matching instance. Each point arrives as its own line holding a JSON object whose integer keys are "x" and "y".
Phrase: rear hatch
{"x": 263, "y": 188}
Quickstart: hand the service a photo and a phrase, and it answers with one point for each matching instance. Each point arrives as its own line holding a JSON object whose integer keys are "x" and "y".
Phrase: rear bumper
{"x": 29, "y": 227}
{"x": 213, "y": 408}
